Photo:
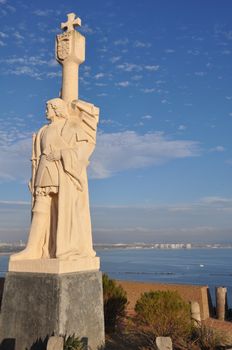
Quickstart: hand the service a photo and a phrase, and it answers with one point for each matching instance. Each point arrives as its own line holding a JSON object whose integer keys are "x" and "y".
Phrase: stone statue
{"x": 54, "y": 285}
{"x": 61, "y": 226}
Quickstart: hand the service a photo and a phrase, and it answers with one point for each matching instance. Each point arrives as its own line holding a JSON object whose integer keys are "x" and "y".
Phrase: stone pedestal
{"x": 38, "y": 305}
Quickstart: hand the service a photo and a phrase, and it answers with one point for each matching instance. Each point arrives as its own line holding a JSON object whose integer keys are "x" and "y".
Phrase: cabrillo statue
{"x": 61, "y": 226}
{"x": 54, "y": 286}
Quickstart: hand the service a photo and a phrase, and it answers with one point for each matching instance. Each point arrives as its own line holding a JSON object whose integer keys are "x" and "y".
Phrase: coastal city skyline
{"x": 161, "y": 74}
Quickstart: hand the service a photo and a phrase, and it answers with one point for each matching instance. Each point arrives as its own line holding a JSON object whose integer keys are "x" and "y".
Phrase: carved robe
{"x": 68, "y": 231}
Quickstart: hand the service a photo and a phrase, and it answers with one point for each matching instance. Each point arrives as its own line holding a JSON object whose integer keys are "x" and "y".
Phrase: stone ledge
{"x": 55, "y": 266}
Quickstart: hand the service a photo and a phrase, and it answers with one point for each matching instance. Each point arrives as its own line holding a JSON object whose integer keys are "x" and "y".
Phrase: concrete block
{"x": 164, "y": 343}
{"x": 55, "y": 343}
{"x": 36, "y": 306}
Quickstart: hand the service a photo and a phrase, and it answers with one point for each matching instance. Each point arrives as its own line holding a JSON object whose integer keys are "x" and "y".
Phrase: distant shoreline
{"x": 122, "y": 246}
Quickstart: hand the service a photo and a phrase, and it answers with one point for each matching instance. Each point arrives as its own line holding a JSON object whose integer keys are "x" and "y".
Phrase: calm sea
{"x": 212, "y": 267}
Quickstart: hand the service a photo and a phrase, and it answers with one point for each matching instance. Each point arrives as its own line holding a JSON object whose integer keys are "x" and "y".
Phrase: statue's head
{"x": 56, "y": 108}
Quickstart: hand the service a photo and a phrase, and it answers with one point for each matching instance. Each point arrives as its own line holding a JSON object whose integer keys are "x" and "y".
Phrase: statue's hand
{"x": 55, "y": 155}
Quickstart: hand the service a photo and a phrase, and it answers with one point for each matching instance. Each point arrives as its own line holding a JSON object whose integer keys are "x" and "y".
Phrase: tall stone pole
{"x": 70, "y": 53}
{"x": 221, "y": 303}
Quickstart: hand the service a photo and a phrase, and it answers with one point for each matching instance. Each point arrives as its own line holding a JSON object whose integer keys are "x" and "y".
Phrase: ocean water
{"x": 212, "y": 267}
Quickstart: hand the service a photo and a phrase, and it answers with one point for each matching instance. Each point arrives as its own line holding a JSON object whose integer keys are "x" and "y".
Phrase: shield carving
{"x": 63, "y": 46}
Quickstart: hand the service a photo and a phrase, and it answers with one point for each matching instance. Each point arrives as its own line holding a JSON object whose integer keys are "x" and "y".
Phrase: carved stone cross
{"x": 71, "y": 23}
{"x": 70, "y": 53}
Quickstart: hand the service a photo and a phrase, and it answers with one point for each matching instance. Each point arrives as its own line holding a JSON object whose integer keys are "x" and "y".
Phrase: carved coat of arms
{"x": 63, "y": 45}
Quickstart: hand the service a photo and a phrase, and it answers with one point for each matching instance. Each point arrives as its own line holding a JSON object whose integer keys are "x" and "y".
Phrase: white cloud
{"x": 148, "y": 90}
{"x": 226, "y": 52}
{"x": 3, "y": 35}
{"x": 100, "y": 84}
{"x": 193, "y": 52}
{"x": 123, "y": 84}
{"x": 15, "y": 161}
{"x": 122, "y": 151}
{"x": 102, "y": 94}
{"x": 41, "y": 13}
{"x": 141, "y": 44}
{"x": 24, "y": 70}
{"x": 147, "y": 116}
{"x": 136, "y": 77}
{"x": 53, "y": 63}
{"x": 129, "y": 67}
{"x": 25, "y": 60}
{"x": 86, "y": 29}
{"x": 15, "y": 202}
{"x": 200, "y": 74}
{"x": 27, "y": 65}
{"x": 218, "y": 149}
{"x": 54, "y": 74}
{"x": 115, "y": 59}
{"x": 99, "y": 75}
{"x": 152, "y": 68}
{"x": 115, "y": 152}
{"x": 169, "y": 51}
{"x": 164, "y": 101}
{"x": 212, "y": 200}
{"x": 121, "y": 42}
{"x": 182, "y": 127}
{"x": 18, "y": 36}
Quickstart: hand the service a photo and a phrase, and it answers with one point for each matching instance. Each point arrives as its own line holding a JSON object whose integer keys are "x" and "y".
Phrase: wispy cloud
{"x": 141, "y": 44}
{"x": 29, "y": 66}
{"x": 218, "y": 149}
{"x": 182, "y": 127}
{"x": 99, "y": 76}
{"x": 121, "y": 42}
{"x": 122, "y": 151}
{"x": 18, "y": 36}
{"x": 169, "y": 51}
{"x": 86, "y": 29}
{"x": 42, "y": 13}
{"x": 200, "y": 74}
{"x": 147, "y": 117}
{"x": 123, "y": 84}
{"x": 14, "y": 202}
{"x": 215, "y": 200}
{"x": 3, "y": 35}
{"x": 193, "y": 52}
{"x": 129, "y": 67}
{"x": 115, "y": 59}
{"x": 152, "y": 68}
{"x": 148, "y": 90}
{"x": 14, "y": 161}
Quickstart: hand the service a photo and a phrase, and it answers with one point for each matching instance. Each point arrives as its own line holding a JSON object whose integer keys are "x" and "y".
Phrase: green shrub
{"x": 115, "y": 301}
{"x": 72, "y": 342}
{"x": 164, "y": 313}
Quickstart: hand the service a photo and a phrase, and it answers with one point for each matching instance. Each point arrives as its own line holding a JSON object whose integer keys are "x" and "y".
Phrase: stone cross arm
{"x": 71, "y": 23}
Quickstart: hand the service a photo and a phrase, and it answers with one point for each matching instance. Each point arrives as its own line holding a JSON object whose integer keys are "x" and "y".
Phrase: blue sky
{"x": 161, "y": 73}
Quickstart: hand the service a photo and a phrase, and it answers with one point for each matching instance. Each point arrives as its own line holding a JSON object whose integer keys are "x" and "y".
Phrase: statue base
{"x": 36, "y": 306}
{"x": 55, "y": 265}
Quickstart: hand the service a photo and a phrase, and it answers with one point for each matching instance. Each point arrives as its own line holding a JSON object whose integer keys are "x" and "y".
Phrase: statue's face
{"x": 50, "y": 112}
